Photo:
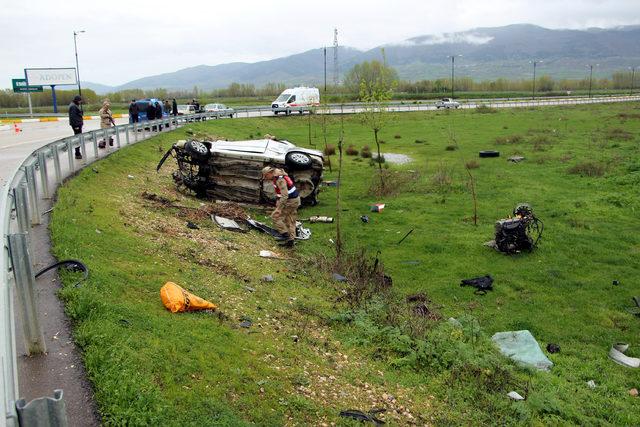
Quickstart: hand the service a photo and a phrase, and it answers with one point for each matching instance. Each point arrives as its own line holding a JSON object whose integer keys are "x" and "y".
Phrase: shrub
{"x": 510, "y": 139}
{"x": 366, "y": 152}
{"x": 382, "y": 141}
{"x": 420, "y": 141}
{"x": 451, "y": 147}
{"x": 351, "y": 151}
{"x": 472, "y": 164}
{"x": 395, "y": 182}
{"x": 588, "y": 169}
{"x": 330, "y": 150}
{"x": 442, "y": 179}
{"x": 485, "y": 109}
{"x": 397, "y": 136}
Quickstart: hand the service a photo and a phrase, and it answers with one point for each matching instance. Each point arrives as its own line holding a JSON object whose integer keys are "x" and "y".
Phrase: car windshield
{"x": 210, "y": 106}
{"x": 283, "y": 97}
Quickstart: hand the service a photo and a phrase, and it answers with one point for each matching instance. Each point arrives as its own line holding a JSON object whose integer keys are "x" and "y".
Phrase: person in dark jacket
{"x": 174, "y": 108}
{"x": 75, "y": 120}
{"x": 158, "y": 112}
{"x": 151, "y": 112}
{"x": 133, "y": 112}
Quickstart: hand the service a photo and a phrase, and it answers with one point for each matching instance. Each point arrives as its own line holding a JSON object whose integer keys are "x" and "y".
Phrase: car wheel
{"x": 197, "y": 150}
{"x": 297, "y": 160}
{"x": 489, "y": 153}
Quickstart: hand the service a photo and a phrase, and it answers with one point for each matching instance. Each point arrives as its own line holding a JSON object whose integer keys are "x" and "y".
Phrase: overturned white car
{"x": 232, "y": 170}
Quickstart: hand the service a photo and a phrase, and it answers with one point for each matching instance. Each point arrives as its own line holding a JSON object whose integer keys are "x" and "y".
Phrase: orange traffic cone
{"x": 16, "y": 128}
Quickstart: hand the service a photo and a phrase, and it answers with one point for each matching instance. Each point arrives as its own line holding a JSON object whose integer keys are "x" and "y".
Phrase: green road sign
{"x": 20, "y": 85}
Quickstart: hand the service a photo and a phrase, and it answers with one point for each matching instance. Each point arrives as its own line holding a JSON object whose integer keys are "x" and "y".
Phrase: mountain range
{"x": 486, "y": 53}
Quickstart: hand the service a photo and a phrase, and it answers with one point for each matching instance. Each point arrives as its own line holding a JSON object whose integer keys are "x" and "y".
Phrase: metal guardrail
{"x": 29, "y": 191}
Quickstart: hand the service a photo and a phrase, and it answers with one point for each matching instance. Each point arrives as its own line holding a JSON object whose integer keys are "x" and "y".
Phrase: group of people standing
{"x": 153, "y": 110}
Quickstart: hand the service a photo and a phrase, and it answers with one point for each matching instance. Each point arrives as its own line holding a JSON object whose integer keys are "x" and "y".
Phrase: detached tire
{"x": 297, "y": 160}
{"x": 485, "y": 154}
{"x": 197, "y": 150}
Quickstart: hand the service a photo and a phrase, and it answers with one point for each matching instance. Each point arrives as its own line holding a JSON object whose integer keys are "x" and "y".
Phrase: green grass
{"x": 149, "y": 366}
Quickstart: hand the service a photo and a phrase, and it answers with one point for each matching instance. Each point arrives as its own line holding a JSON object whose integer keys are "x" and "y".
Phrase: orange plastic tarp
{"x": 177, "y": 299}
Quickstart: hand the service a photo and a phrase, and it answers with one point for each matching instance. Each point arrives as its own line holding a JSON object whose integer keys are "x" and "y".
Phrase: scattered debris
{"x": 591, "y": 384}
{"x": 633, "y": 392}
{"x": 617, "y": 355}
{"x": 515, "y": 395}
{"x": 455, "y": 322}
{"x": 226, "y": 209}
{"x": 130, "y": 176}
{"x": 264, "y": 228}
{"x": 227, "y": 224}
{"x": 98, "y": 231}
{"x": 377, "y": 207}
{"x": 523, "y": 348}
{"x": 267, "y": 278}
{"x": 514, "y": 235}
{"x": 371, "y": 416}
{"x": 295, "y": 338}
{"x": 482, "y": 284}
{"x": 155, "y": 198}
{"x": 330, "y": 183}
{"x": 553, "y": 348}
{"x": 246, "y": 323}
{"x": 364, "y": 218}
{"x": 177, "y": 299}
{"x": 325, "y": 219}
{"x": 405, "y": 236}
{"x": 192, "y": 225}
{"x": 635, "y": 310}
{"x": 420, "y": 307}
{"x": 615, "y": 282}
{"x": 411, "y": 262}
{"x": 271, "y": 254}
{"x": 515, "y": 159}
{"x": 338, "y": 277}
{"x": 249, "y": 288}
{"x": 489, "y": 153}
{"x": 301, "y": 232}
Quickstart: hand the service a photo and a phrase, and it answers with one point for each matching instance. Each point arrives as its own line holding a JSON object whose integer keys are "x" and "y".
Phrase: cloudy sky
{"x": 125, "y": 40}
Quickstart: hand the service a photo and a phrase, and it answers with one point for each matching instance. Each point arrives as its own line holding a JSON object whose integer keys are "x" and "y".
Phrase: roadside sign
{"x": 51, "y": 76}
{"x": 21, "y": 86}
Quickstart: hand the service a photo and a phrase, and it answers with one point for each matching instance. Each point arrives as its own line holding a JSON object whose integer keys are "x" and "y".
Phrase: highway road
{"x": 14, "y": 147}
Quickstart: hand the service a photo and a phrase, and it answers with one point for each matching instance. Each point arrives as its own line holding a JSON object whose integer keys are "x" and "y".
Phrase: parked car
{"x": 298, "y": 99}
{"x": 447, "y": 103}
{"x": 219, "y": 109}
{"x": 142, "y": 108}
{"x": 232, "y": 170}
{"x": 186, "y": 109}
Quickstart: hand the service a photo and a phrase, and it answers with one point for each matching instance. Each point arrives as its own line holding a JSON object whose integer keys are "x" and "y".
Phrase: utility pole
{"x": 533, "y": 92}
{"x": 325, "y": 69}
{"x": 633, "y": 74}
{"x": 591, "y": 76}
{"x": 75, "y": 46}
{"x": 453, "y": 57}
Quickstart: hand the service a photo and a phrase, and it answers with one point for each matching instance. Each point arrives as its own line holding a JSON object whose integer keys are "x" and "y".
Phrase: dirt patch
{"x": 420, "y": 306}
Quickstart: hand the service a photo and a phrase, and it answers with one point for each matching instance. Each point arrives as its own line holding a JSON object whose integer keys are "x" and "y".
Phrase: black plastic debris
{"x": 192, "y": 226}
{"x": 553, "y": 348}
{"x": 364, "y": 218}
{"x": 615, "y": 282}
{"x": 482, "y": 284}
{"x": 371, "y": 416}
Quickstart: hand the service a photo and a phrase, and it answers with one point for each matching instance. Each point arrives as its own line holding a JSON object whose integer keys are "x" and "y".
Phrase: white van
{"x": 298, "y": 99}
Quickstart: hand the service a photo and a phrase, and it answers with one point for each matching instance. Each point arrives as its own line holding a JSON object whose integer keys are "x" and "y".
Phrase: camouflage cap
{"x": 267, "y": 170}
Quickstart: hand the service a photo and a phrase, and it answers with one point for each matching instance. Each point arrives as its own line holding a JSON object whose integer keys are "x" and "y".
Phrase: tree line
{"x": 366, "y": 72}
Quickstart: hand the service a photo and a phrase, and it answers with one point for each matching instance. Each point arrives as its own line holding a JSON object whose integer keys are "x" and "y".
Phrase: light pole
{"x": 591, "y": 76}
{"x": 75, "y": 46}
{"x": 533, "y": 92}
{"x": 453, "y": 60}
{"x": 633, "y": 74}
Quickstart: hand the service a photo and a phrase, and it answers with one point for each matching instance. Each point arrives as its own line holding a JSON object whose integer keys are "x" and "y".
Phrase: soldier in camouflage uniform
{"x": 288, "y": 200}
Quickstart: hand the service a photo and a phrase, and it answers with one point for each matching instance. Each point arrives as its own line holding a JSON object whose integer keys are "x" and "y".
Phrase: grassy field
{"x": 313, "y": 349}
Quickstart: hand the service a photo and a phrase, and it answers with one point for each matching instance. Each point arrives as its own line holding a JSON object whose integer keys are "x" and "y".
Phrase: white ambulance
{"x": 298, "y": 99}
